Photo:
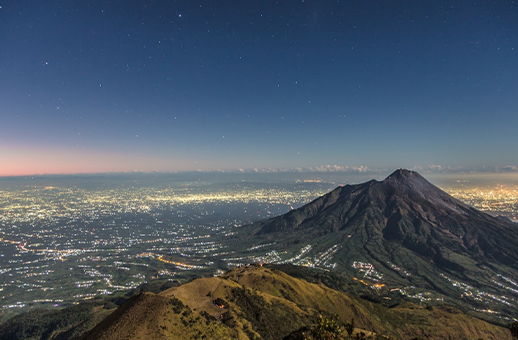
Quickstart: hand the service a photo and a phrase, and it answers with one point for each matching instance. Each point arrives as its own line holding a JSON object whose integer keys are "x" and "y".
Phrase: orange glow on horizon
{"x": 33, "y": 161}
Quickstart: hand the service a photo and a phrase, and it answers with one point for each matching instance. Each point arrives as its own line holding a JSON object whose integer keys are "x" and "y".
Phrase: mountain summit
{"x": 412, "y": 232}
{"x": 410, "y": 182}
{"x": 417, "y": 187}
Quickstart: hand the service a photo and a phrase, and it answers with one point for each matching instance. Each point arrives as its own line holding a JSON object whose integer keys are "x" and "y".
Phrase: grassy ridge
{"x": 260, "y": 303}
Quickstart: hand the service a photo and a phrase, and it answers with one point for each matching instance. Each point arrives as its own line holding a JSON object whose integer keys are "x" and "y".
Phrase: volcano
{"x": 405, "y": 232}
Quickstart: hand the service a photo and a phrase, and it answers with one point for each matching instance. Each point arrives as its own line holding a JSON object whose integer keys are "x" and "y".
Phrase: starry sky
{"x": 107, "y": 86}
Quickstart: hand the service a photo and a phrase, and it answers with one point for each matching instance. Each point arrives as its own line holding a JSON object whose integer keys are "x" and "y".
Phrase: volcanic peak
{"x": 403, "y": 178}
{"x": 416, "y": 187}
{"x": 404, "y": 174}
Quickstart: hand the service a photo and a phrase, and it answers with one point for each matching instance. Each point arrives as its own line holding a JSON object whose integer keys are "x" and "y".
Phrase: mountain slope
{"x": 402, "y": 232}
{"x": 151, "y": 316}
{"x": 265, "y": 303}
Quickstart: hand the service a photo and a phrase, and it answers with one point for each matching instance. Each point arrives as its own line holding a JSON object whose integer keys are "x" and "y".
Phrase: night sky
{"x": 101, "y": 86}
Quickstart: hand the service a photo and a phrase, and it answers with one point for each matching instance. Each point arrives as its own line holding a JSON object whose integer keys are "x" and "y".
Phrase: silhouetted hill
{"x": 67, "y": 323}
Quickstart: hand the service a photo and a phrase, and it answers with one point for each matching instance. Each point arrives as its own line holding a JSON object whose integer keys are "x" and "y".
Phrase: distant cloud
{"x": 337, "y": 168}
{"x": 321, "y": 168}
{"x": 439, "y": 169}
{"x": 509, "y": 168}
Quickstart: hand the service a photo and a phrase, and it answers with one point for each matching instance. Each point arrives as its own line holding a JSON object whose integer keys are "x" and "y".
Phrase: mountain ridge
{"x": 266, "y": 303}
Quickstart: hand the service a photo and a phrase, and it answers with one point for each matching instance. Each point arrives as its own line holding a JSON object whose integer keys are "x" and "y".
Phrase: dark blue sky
{"x": 88, "y": 86}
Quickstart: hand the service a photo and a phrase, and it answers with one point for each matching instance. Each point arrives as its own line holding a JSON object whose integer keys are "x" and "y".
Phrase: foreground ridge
{"x": 263, "y": 302}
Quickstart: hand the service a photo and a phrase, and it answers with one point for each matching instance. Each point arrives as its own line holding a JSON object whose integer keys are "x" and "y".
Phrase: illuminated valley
{"x": 61, "y": 244}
